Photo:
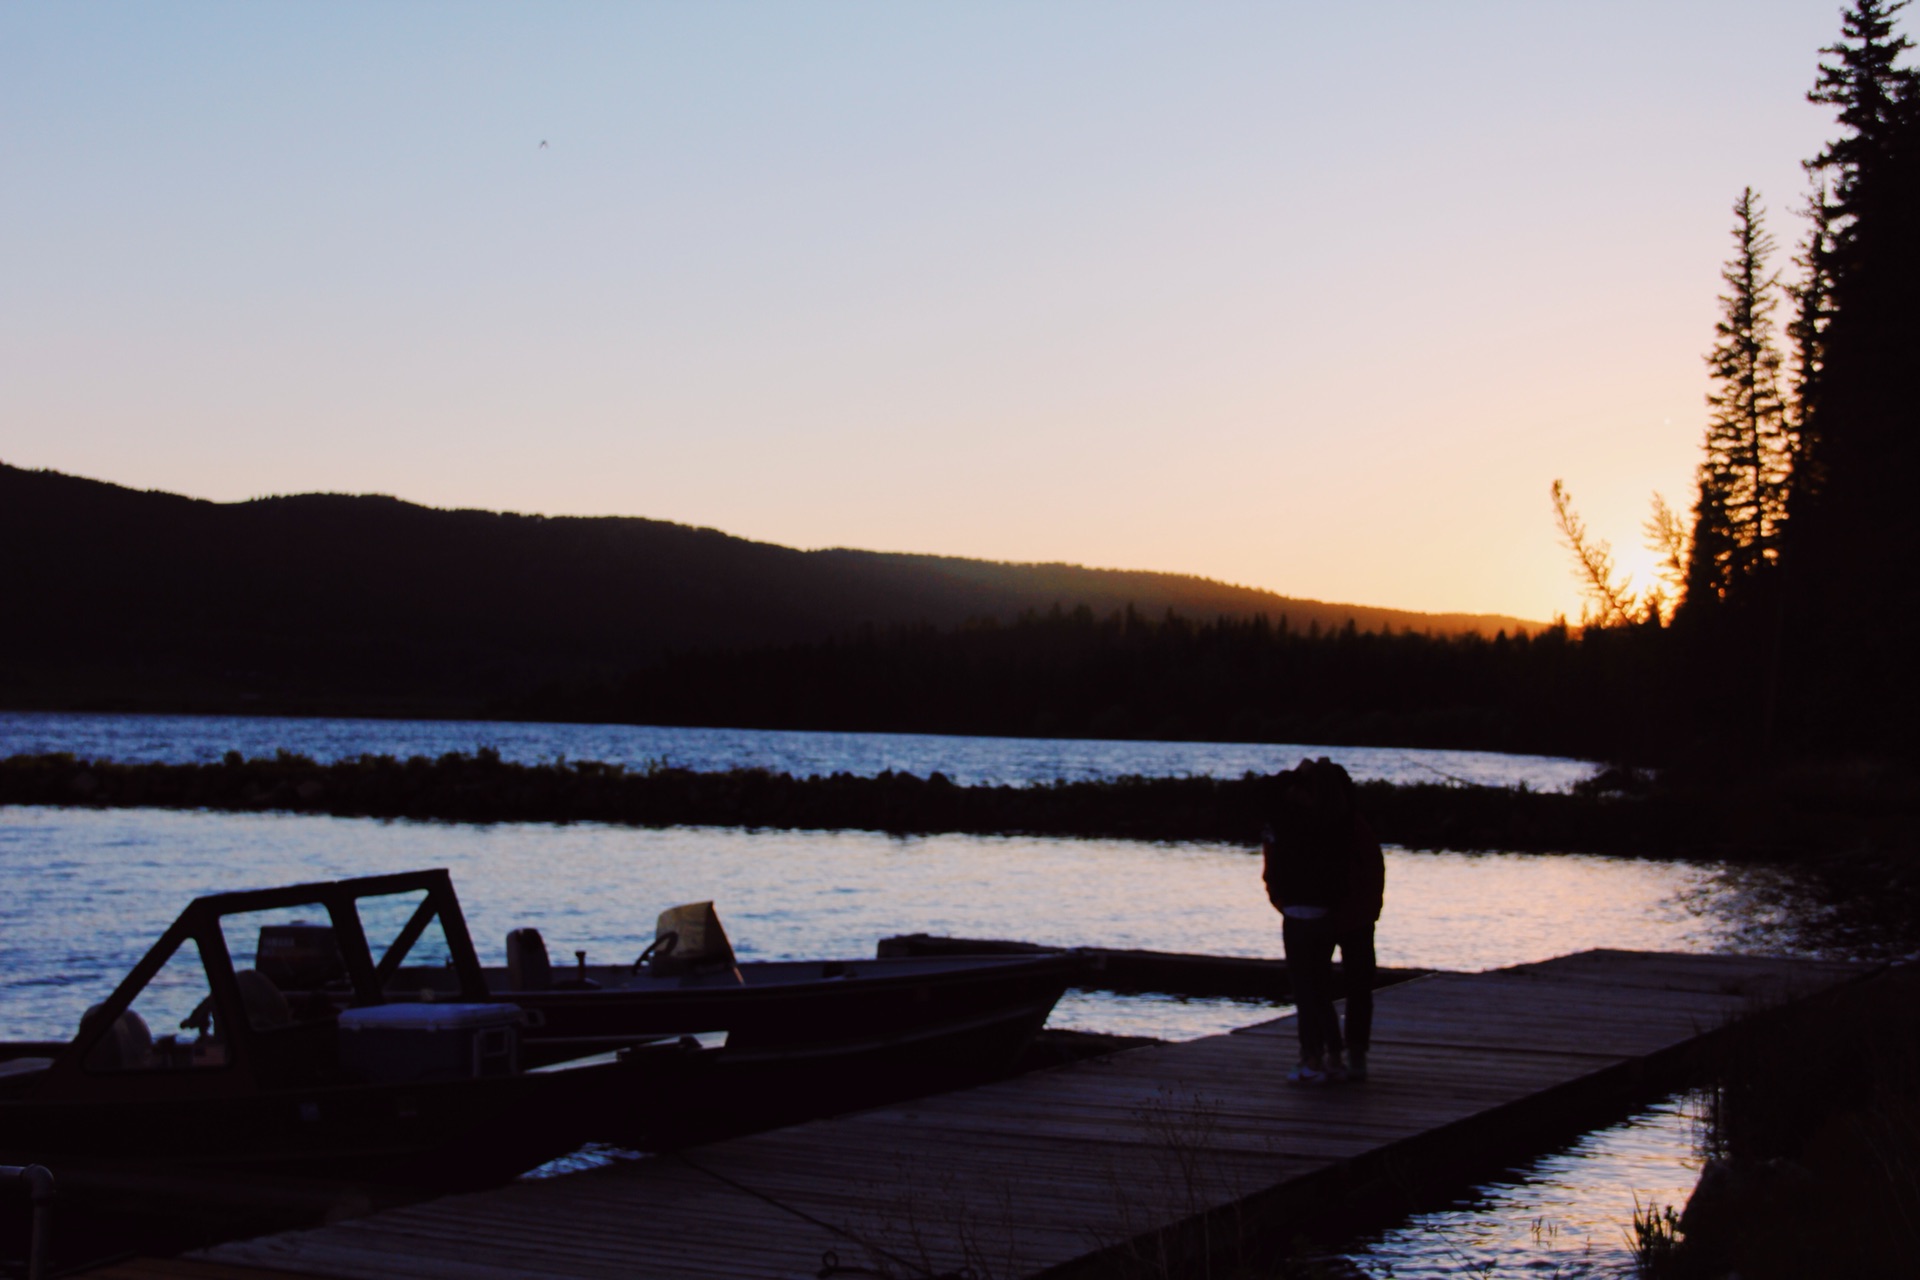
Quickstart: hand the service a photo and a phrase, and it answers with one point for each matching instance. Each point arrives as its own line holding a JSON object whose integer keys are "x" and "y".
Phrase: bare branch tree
{"x": 1669, "y": 538}
{"x": 1613, "y": 598}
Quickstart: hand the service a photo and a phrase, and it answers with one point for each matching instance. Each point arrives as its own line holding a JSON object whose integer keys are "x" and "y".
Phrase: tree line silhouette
{"x": 481, "y": 787}
{"x": 1070, "y": 673}
{"x": 325, "y": 603}
{"x": 1792, "y": 594}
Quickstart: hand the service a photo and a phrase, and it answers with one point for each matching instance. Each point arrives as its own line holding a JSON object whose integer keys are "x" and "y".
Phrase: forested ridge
{"x": 370, "y": 605}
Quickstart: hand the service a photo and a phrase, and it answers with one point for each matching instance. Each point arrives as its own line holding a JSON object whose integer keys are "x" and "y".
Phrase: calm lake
{"x": 89, "y": 890}
{"x": 968, "y": 761}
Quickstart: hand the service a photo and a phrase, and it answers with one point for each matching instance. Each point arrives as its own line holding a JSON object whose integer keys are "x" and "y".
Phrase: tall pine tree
{"x": 1813, "y": 314}
{"x": 1857, "y": 180}
{"x": 1853, "y": 549}
{"x": 1741, "y": 510}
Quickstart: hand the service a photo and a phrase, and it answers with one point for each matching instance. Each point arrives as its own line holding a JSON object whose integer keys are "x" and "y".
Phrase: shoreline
{"x": 480, "y": 787}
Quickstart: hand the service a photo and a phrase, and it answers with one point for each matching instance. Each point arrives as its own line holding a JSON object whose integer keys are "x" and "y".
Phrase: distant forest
{"x": 1069, "y": 673}
{"x": 366, "y": 605}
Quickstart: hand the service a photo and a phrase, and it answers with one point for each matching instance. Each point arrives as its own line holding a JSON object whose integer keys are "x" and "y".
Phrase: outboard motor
{"x": 299, "y": 956}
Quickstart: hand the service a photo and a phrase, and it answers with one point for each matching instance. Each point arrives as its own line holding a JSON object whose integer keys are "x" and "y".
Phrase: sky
{"x": 1316, "y": 298}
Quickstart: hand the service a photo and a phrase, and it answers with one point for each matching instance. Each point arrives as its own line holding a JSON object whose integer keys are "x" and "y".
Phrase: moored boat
{"x": 196, "y": 1064}
{"x": 800, "y": 1037}
{"x": 971, "y": 1011}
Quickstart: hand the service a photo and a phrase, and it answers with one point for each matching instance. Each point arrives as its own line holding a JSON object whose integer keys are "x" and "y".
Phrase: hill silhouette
{"x": 327, "y": 602}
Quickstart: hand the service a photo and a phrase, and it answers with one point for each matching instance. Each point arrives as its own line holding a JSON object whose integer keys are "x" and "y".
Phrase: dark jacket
{"x": 1366, "y": 885}
{"x": 1306, "y": 865}
{"x": 1341, "y": 869}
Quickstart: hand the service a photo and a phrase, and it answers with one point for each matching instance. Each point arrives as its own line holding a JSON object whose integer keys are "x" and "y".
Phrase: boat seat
{"x": 528, "y": 968}
{"x": 126, "y": 1046}
{"x": 690, "y": 943}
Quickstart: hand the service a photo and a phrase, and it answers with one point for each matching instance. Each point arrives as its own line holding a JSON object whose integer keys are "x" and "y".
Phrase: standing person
{"x": 1355, "y": 917}
{"x": 1305, "y": 872}
{"x": 1325, "y": 874}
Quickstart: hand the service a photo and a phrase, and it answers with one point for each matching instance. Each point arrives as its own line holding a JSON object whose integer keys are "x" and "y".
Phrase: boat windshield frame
{"x": 200, "y": 922}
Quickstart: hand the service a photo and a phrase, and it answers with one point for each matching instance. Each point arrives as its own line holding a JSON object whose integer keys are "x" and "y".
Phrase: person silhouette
{"x": 1325, "y": 874}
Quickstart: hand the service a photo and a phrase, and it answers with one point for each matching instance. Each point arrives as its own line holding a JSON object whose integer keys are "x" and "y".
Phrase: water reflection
{"x": 1568, "y": 1214}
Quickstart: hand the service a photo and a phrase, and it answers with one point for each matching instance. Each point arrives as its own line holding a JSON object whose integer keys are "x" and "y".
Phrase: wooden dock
{"x": 1089, "y": 1163}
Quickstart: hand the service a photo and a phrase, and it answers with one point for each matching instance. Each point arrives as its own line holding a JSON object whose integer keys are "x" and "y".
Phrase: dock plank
{"x": 1023, "y": 1176}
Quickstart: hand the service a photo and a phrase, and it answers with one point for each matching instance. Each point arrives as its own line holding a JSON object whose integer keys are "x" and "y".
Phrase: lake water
{"x": 90, "y": 889}
{"x": 1565, "y": 1216}
{"x": 968, "y": 761}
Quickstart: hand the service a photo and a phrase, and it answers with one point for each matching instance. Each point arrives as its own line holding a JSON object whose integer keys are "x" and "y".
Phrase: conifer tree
{"x": 1812, "y": 297}
{"x": 1875, "y": 97}
{"x": 1859, "y": 255}
{"x": 1854, "y": 549}
{"x": 1742, "y": 504}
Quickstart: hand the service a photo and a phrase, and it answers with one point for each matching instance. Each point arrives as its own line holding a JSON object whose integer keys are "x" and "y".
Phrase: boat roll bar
{"x": 40, "y": 1186}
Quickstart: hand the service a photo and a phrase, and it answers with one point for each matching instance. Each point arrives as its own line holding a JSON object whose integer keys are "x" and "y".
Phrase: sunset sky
{"x": 1317, "y": 298}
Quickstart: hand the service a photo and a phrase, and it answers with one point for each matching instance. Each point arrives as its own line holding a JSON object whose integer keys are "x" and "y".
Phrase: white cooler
{"x": 391, "y": 1042}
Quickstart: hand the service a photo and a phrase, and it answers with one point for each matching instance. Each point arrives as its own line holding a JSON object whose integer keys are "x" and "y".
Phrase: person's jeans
{"x": 1309, "y": 945}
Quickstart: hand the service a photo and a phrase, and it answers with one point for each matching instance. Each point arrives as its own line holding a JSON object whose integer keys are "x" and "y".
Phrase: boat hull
{"x": 908, "y": 1012}
{"x": 802, "y": 1039}
{"x": 748, "y": 1092}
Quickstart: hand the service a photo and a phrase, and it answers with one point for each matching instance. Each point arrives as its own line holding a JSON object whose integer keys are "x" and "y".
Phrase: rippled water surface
{"x": 89, "y": 890}
{"x": 1568, "y": 1214}
{"x": 1010, "y": 761}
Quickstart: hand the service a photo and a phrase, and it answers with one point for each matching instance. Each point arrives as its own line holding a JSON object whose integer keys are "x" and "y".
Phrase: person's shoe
{"x": 1357, "y": 1065}
{"x": 1307, "y": 1075}
{"x": 1336, "y": 1069}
